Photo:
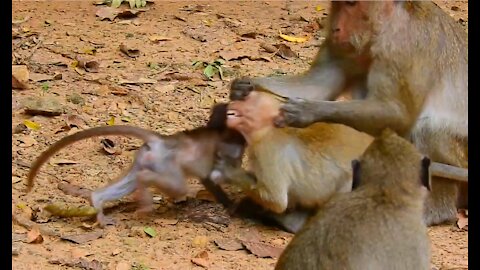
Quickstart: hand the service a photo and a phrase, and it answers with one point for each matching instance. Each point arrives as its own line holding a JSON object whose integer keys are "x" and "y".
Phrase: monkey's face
{"x": 352, "y": 23}
{"x": 241, "y": 118}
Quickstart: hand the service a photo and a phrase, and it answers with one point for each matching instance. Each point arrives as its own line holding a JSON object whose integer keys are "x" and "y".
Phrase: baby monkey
{"x": 163, "y": 161}
{"x": 379, "y": 224}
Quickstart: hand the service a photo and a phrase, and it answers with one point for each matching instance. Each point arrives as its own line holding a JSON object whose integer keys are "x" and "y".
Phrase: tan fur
{"x": 377, "y": 226}
{"x": 411, "y": 76}
{"x": 295, "y": 167}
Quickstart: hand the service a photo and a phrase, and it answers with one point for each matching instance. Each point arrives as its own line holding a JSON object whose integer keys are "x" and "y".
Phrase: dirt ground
{"x": 159, "y": 90}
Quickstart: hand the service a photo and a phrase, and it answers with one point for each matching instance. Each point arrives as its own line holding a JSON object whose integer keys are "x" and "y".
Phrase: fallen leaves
{"x": 201, "y": 259}
{"x": 262, "y": 250}
{"x": 64, "y": 210}
{"x": 34, "y": 236}
{"x": 156, "y": 38}
{"x": 20, "y": 76}
{"x": 31, "y": 125}
{"x": 150, "y": 231}
{"x": 294, "y": 39}
{"x": 84, "y": 237}
{"x": 281, "y": 50}
{"x": 229, "y": 244}
{"x": 129, "y": 51}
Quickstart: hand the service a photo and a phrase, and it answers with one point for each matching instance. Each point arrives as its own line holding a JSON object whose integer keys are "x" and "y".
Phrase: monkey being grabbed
{"x": 163, "y": 161}
{"x": 379, "y": 224}
{"x": 292, "y": 168}
{"x": 406, "y": 64}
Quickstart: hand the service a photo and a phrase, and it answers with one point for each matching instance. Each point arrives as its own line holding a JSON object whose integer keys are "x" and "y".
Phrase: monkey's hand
{"x": 296, "y": 112}
{"x": 240, "y": 88}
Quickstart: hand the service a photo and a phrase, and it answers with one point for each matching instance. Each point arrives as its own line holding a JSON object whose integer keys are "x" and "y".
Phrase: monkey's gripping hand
{"x": 241, "y": 88}
{"x": 297, "y": 112}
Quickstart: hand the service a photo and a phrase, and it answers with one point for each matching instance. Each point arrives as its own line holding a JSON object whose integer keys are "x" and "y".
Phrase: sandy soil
{"x": 57, "y": 32}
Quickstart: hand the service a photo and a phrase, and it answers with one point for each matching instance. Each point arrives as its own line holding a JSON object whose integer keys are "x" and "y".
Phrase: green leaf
{"x": 138, "y": 3}
{"x": 144, "y": 3}
{"x": 209, "y": 71}
{"x": 116, "y": 3}
{"x": 150, "y": 231}
{"x": 45, "y": 86}
{"x": 132, "y": 3}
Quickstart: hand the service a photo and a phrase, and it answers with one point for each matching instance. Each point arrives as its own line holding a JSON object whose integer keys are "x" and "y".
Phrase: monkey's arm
{"x": 324, "y": 80}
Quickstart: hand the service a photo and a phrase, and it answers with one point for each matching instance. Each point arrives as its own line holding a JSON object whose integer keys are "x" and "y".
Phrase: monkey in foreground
{"x": 163, "y": 161}
{"x": 405, "y": 63}
{"x": 379, "y": 224}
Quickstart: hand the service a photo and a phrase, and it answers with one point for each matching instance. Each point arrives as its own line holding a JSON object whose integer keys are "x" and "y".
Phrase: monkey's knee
{"x": 240, "y": 88}
{"x": 440, "y": 205}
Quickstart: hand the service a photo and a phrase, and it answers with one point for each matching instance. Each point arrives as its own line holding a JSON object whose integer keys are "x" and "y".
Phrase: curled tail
{"x": 137, "y": 132}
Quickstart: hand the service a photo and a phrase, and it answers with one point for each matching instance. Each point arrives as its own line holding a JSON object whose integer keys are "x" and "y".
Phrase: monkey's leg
{"x": 170, "y": 182}
{"x": 291, "y": 221}
{"x": 441, "y": 203}
{"x": 123, "y": 187}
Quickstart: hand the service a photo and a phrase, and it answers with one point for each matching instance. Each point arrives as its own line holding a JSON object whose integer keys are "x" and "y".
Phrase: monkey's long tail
{"x": 137, "y": 132}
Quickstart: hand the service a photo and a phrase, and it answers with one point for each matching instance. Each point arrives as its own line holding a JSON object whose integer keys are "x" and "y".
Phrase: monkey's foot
{"x": 105, "y": 221}
{"x": 240, "y": 88}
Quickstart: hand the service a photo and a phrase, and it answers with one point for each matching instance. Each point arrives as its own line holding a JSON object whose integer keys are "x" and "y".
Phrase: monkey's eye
{"x": 351, "y": 3}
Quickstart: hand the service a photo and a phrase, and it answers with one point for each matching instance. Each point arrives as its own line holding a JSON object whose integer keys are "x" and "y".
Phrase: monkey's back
{"x": 355, "y": 232}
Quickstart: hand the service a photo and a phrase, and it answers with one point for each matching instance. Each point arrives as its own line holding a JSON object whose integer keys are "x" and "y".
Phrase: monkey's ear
{"x": 425, "y": 173}
{"x": 218, "y": 116}
{"x": 355, "y": 174}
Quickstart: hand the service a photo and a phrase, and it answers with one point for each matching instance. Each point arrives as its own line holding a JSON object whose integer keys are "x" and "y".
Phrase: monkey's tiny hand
{"x": 296, "y": 112}
{"x": 240, "y": 88}
{"x": 217, "y": 176}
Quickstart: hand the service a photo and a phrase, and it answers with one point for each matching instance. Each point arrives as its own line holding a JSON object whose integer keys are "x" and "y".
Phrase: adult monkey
{"x": 405, "y": 63}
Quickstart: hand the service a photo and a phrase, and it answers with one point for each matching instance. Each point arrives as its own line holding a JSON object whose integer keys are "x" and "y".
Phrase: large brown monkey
{"x": 379, "y": 224}
{"x": 406, "y": 65}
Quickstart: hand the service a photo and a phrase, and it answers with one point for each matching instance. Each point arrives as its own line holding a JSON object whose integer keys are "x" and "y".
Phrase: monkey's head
{"x": 353, "y": 23}
{"x": 391, "y": 161}
{"x": 240, "y": 118}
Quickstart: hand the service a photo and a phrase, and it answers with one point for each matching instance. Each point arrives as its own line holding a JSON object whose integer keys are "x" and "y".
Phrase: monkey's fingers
{"x": 240, "y": 88}
{"x": 448, "y": 171}
{"x": 296, "y": 113}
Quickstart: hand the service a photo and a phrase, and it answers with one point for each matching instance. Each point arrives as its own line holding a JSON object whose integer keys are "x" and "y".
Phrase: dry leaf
{"x": 116, "y": 251}
{"x": 26, "y": 140}
{"x": 109, "y": 146}
{"x": 88, "y": 65}
{"x": 139, "y": 81}
{"x": 262, "y": 250}
{"x": 229, "y": 244}
{"x": 73, "y": 120}
{"x": 34, "y": 236}
{"x": 319, "y": 8}
{"x": 39, "y": 77}
{"x": 31, "y": 125}
{"x": 293, "y": 39}
{"x": 130, "y": 13}
{"x": 281, "y": 50}
{"x": 201, "y": 259}
{"x": 118, "y": 91}
{"x": 46, "y": 106}
{"x": 62, "y": 161}
{"x": 77, "y": 253}
{"x": 163, "y": 221}
{"x": 158, "y": 38}
{"x": 83, "y": 238}
{"x": 131, "y": 52}
{"x": 74, "y": 190}
{"x": 107, "y": 13}
{"x": 20, "y": 76}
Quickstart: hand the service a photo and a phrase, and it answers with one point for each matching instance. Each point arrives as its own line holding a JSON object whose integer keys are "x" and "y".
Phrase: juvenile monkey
{"x": 406, "y": 64}
{"x": 292, "y": 168}
{"x": 379, "y": 224}
{"x": 163, "y": 161}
